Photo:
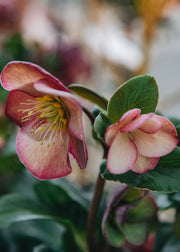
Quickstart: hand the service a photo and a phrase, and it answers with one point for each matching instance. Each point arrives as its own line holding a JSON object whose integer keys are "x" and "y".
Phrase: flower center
{"x": 51, "y": 117}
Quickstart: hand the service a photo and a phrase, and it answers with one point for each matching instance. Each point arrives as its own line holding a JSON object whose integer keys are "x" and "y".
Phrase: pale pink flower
{"x": 137, "y": 141}
{"x": 50, "y": 119}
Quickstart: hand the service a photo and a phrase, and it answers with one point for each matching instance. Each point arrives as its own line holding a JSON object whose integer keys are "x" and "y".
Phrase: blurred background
{"x": 97, "y": 43}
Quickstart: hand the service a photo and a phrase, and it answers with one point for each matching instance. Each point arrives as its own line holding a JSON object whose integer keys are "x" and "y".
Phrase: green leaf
{"x": 165, "y": 177}
{"x": 171, "y": 160}
{"x": 61, "y": 203}
{"x": 75, "y": 193}
{"x": 136, "y": 233}
{"x": 15, "y": 208}
{"x": 131, "y": 194}
{"x": 100, "y": 125}
{"x": 114, "y": 233}
{"x": 139, "y": 92}
{"x": 40, "y": 248}
{"x": 166, "y": 240}
{"x": 10, "y": 164}
{"x": 60, "y": 192}
{"x": 177, "y": 224}
{"x": 89, "y": 95}
{"x": 46, "y": 232}
{"x": 144, "y": 211}
{"x": 174, "y": 120}
{"x": 3, "y": 94}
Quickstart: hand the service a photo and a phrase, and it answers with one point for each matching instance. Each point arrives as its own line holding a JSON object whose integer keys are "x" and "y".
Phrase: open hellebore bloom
{"x": 50, "y": 119}
{"x": 137, "y": 141}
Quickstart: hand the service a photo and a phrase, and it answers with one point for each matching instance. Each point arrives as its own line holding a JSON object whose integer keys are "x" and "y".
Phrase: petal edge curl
{"x": 21, "y": 75}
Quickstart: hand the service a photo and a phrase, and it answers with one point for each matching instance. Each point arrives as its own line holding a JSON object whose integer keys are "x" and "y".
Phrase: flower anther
{"x": 50, "y": 120}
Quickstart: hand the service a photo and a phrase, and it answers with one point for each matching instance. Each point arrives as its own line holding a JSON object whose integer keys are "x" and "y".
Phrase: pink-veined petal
{"x": 14, "y": 105}
{"x": 73, "y": 105}
{"x": 152, "y": 125}
{"x": 122, "y": 154}
{"x": 136, "y": 123}
{"x": 43, "y": 161}
{"x": 21, "y": 75}
{"x": 113, "y": 129}
{"x": 79, "y": 151}
{"x": 144, "y": 164}
{"x": 154, "y": 145}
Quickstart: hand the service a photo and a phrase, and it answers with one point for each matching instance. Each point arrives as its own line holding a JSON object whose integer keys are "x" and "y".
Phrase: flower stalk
{"x": 91, "y": 224}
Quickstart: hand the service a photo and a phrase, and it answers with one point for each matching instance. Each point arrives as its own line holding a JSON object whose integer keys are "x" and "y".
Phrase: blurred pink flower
{"x": 9, "y": 10}
{"x": 72, "y": 62}
{"x": 50, "y": 119}
{"x": 137, "y": 141}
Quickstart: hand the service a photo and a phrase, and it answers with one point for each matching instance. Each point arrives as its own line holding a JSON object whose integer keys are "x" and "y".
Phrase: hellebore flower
{"x": 50, "y": 119}
{"x": 126, "y": 210}
{"x": 137, "y": 141}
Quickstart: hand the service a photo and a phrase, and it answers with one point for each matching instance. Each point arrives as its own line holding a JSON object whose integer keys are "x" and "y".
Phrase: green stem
{"x": 91, "y": 225}
{"x": 98, "y": 192}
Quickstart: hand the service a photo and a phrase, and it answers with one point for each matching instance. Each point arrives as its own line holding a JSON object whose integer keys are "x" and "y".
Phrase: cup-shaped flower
{"x": 137, "y": 141}
{"x": 50, "y": 119}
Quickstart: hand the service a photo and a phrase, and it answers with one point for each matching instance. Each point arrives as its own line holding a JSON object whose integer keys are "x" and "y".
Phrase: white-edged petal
{"x": 113, "y": 129}
{"x": 152, "y": 125}
{"x": 21, "y": 75}
{"x": 167, "y": 126}
{"x": 136, "y": 123}
{"x": 154, "y": 145}
{"x": 130, "y": 115}
{"x": 111, "y": 132}
{"x": 144, "y": 164}
{"x": 43, "y": 161}
{"x": 122, "y": 154}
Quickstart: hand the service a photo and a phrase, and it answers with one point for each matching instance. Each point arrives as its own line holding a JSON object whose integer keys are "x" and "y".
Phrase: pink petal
{"x": 136, "y": 123}
{"x": 111, "y": 132}
{"x": 122, "y": 154}
{"x": 167, "y": 126}
{"x": 154, "y": 145}
{"x": 129, "y": 116}
{"x": 21, "y": 75}
{"x": 73, "y": 105}
{"x": 144, "y": 164}
{"x": 42, "y": 161}
{"x": 152, "y": 125}
{"x": 14, "y": 104}
{"x": 113, "y": 129}
{"x": 79, "y": 151}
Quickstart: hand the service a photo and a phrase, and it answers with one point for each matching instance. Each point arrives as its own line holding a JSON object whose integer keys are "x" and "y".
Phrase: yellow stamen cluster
{"x": 51, "y": 116}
